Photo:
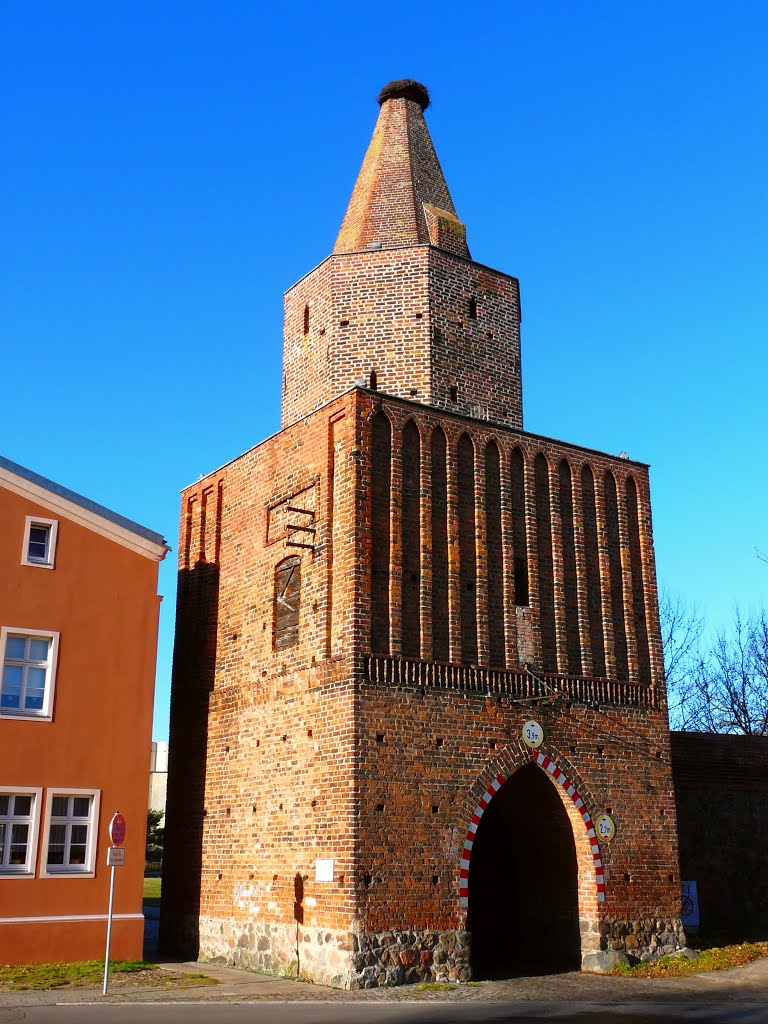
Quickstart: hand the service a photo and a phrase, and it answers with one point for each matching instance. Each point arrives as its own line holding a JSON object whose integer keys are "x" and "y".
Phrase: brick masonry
{"x": 452, "y": 576}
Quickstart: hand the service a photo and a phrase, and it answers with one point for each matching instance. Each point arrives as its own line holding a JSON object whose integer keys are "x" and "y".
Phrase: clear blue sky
{"x": 168, "y": 170}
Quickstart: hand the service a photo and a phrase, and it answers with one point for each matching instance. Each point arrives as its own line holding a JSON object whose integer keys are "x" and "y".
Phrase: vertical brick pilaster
{"x": 656, "y": 652}
{"x": 531, "y": 536}
{"x": 396, "y": 546}
{"x": 426, "y": 547}
{"x": 481, "y": 555}
{"x": 556, "y": 521}
{"x": 605, "y": 578}
{"x": 587, "y": 665}
{"x": 454, "y": 556}
{"x": 626, "y": 579}
{"x": 508, "y": 556}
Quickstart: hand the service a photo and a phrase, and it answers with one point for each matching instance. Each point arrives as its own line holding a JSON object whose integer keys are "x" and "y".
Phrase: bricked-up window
{"x": 570, "y": 592}
{"x": 440, "y": 649}
{"x": 467, "y": 550}
{"x": 286, "y": 603}
{"x": 614, "y": 564}
{"x": 411, "y": 544}
{"x": 592, "y": 561}
{"x": 546, "y": 565}
{"x": 496, "y": 652}
{"x": 381, "y": 500}
{"x": 519, "y": 540}
{"x": 638, "y": 591}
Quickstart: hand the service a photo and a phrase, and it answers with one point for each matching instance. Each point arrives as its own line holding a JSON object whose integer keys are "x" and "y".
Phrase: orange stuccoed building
{"x": 78, "y": 642}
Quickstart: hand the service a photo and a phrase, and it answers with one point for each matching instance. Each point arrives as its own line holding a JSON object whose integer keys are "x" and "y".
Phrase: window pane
{"x": 79, "y": 834}
{"x": 19, "y": 838}
{"x": 82, "y": 808}
{"x": 77, "y": 854}
{"x": 38, "y": 650}
{"x": 10, "y": 697}
{"x": 2, "y": 840}
{"x": 56, "y": 842}
{"x": 22, "y": 805}
{"x": 5, "y": 802}
{"x": 59, "y": 808}
{"x": 33, "y": 700}
{"x": 14, "y": 648}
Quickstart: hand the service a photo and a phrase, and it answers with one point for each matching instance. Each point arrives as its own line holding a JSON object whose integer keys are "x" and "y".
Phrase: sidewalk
{"x": 743, "y": 985}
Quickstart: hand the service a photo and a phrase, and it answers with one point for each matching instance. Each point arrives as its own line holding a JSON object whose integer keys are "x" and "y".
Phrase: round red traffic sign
{"x": 117, "y": 829}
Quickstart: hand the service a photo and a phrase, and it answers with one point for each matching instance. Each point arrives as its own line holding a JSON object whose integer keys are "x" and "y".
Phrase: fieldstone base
{"x": 644, "y": 939}
{"x": 402, "y": 958}
{"x": 285, "y": 949}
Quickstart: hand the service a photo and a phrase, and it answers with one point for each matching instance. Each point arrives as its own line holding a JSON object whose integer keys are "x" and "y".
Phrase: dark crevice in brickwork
{"x": 496, "y": 648}
{"x": 440, "y": 649}
{"x": 519, "y": 540}
{"x": 614, "y": 563}
{"x": 194, "y": 665}
{"x": 546, "y": 567}
{"x": 411, "y": 510}
{"x": 592, "y": 562}
{"x": 570, "y": 591}
{"x": 381, "y": 458}
{"x": 638, "y": 591}
{"x": 467, "y": 550}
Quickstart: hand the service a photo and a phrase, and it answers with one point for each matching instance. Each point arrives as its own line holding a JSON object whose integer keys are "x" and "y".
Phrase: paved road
{"x": 365, "y": 1012}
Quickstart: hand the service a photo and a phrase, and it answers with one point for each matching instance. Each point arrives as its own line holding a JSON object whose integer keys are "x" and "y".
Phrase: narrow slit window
{"x": 454, "y": 393}
{"x": 286, "y": 603}
{"x": 374, "y": 381}
{"x": 473, "y": 308}
{"x": 306, "y": 319}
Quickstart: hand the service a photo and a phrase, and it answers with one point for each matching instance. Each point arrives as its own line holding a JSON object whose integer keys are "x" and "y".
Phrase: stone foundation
{"x": 343, "y": 959}
{"x": 402, "y": 958}
{"x": 645, "y": 939}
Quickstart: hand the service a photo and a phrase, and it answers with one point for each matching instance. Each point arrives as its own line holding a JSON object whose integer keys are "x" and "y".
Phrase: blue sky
{"x": 169, "y": 170}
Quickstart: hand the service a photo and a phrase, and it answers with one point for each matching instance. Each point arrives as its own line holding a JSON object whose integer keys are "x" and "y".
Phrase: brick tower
{"x": 418, "y": 724}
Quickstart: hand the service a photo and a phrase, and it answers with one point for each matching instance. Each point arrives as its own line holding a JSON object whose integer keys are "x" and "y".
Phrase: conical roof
{"x": 400, "y": 197}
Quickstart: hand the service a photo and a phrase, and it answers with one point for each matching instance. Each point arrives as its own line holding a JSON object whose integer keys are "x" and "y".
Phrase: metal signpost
{"x": 115, "y": 859}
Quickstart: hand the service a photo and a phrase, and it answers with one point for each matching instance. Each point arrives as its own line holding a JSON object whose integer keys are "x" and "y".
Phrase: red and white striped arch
{"x": 562, "y": 780}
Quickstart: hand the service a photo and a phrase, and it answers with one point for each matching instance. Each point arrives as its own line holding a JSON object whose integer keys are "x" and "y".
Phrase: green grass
{"x": 152, "y": 888}
{"x": 436, "y": 986}
{"x": 85, "y": 972}
{"x": 715, "y": 959}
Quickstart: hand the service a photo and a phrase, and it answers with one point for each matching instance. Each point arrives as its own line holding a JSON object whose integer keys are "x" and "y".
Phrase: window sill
{"x": 66, "y": 873}
{"x": 25, "y": 716}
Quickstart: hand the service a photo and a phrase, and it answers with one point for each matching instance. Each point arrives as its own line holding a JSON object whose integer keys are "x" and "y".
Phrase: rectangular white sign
{"x": 115, "y": 857}
{"x": 323, "y": 870}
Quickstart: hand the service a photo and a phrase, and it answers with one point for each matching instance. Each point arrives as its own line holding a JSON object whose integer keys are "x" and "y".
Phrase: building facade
{"x": 418, "y": 722}
{"x": 78, "y": 641}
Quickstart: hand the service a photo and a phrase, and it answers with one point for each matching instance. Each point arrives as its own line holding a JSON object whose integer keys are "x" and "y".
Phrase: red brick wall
{"x": 721, "y": 791}
{"x": 404, "y": 313}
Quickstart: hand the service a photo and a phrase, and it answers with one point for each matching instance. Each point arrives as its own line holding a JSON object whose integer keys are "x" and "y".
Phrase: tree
{"x": 728, "y": 691}
{"x": 155, "y": 835}
{"x": 682, "y": 626}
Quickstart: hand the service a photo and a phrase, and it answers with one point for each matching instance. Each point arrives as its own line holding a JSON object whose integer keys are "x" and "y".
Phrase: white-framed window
{"x": 19, "y": 822}
{"x": 28, "y": 658}
{"x": 70, "y": 832}
{"x": 39, "y": 542}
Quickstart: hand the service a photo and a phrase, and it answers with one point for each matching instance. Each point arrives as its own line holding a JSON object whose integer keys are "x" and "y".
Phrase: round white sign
{"x": 605, "y": 827}
{"x": 533, "y": 734}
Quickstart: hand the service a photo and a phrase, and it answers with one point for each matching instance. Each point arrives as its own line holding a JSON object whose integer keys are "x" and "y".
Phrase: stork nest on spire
{"x": 405, "y": 88}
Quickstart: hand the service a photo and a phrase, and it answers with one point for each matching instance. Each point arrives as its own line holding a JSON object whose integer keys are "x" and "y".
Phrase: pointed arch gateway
{"x": 531, "y": 876}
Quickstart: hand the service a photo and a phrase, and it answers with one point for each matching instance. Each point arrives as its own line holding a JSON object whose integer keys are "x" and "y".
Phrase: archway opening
{"x": 523, "y": 910}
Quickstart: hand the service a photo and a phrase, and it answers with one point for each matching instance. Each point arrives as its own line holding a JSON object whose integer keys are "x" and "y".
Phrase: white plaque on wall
{"x": 533, "y": 734}
{"x": 323, "y": 870}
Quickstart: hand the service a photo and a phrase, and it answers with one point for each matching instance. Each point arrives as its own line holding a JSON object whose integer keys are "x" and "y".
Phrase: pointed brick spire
{"x": 400, "y": 197}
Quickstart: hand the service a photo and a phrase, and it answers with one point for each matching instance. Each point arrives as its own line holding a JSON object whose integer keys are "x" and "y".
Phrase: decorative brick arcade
{"x": 372, "y": 604}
